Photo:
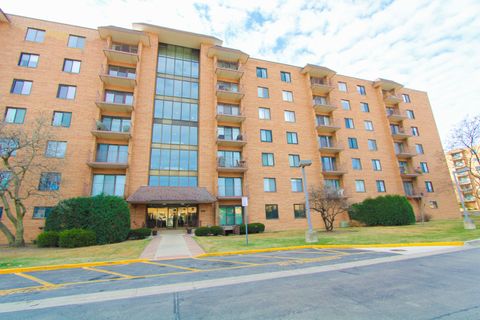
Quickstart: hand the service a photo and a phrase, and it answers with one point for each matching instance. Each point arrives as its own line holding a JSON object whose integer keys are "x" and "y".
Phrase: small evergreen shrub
{"x": 216, "y": 230}
{"x": 202, "y": 231}
{"x": 47, "y": 239}
{"x": 141, "y": 233}
{"x": 254, "y": 227}
{"x": 75, "y": 238}
{"x": 390, "y": 210}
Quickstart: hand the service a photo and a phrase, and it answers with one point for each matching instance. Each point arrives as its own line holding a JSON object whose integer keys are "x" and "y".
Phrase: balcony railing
{"x": 100, "y": 130}
{"x": 334, "y": 170}
{"x": 322, "y": 106}
{"x": 400, "y": 134}
{"x": 228, "y": 70}
{"x": 116, "y": 103}
{"x": 122, "y": 53}
{"x": 116, "y": 78}
{"x": 327, "y": 126}
{"x": 230, "y": 92}
{"x": 239, "y": 140}
{"x": 391, "y": 98}
{"x": 396, "y": 115}
{"x": 412, "y": 193}
{"x": 230, "y": 115}
{"x": 231, "y": 166}
{"x": 405, "y": 152}
{"x": 405, "y": 172}
{"x": 320, "y": 86}
{"x": 330, "y": 147}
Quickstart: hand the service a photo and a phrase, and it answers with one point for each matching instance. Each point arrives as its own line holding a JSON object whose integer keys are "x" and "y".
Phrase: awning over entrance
{"x": 178, "y": 195}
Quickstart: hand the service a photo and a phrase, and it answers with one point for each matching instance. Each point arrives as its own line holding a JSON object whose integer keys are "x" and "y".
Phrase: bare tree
{"x": 329, "y": 202}
{"x": 21, "y": 152}
{"x": 466, "y": 135}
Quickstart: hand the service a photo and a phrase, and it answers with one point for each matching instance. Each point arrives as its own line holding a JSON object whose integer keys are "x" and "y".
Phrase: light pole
{"x": 467, "y": 221}
{"x": 310, "y": 235}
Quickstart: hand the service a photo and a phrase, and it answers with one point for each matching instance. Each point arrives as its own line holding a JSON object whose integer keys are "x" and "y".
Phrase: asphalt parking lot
{"x": 107, "y": 277}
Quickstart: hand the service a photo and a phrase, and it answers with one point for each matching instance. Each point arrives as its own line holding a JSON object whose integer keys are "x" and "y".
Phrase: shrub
{"x": 107, "y": 216}
{"x": 140, "y": 233}
{"x": 202, "y": 231}
{"x": 75, "y": 238}
{"x": 390, "y": 210}
{"x": 216, "y": 230}
{"x": 253, "y": 228}
{"x": 47, "y": 239}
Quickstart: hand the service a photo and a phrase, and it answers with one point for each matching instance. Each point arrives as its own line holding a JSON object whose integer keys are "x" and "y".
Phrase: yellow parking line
{"x": 232, "y": 261}
{"x": 109, "y": 272}
{"x": 331, "y": 250}
{"x": 276, "y": 257}
{"x": 37, "y": 280}
{"x": 171, "y": 265}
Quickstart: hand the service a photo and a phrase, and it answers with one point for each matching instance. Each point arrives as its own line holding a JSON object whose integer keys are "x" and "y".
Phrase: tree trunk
{"x": 19, "y": 241}
{"x": 8, "y": 234}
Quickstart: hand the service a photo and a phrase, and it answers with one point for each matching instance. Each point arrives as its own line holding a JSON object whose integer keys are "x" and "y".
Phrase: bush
{"x": 391, "y": 210}
{"x": 253, "y": 228}
{"x": 47, "y": 239}
{"x": 141, "y": 233}
{"x": 202, "y": 231}
{"x": 107, "y": 216}
{"x": 216, "y": 230}
{"x": 75, "y": 238}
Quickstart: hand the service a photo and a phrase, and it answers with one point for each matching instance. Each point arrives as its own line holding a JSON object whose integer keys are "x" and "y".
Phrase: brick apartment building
{"x": 183, "y": 127}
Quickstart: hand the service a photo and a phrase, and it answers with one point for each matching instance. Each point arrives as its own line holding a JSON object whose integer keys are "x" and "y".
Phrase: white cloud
{"x": 426, "y": 45}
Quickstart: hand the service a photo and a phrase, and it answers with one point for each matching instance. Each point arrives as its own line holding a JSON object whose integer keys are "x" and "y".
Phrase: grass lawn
{"x": 33, "y": 256}
{"x": 433, "y": 231}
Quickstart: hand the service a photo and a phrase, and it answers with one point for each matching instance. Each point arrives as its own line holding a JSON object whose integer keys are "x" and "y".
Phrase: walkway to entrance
{"x": 171, "y": 244}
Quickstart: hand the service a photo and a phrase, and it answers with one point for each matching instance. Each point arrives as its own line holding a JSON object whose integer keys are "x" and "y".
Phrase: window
{"x": 349, "y": 123}
{"x": 269, "y": 185}
{"x": 268, "y": 160}
{"x": 76, "y": 42}
{"x": 299, "y": 211}
{"x": 323, "y": 120}
{"x": 424, "y": 167}
{"x": 325, "y": 141}
{"x": 108, "y": 184}
{"x": 331, "y": 184}
{"x": 287, "y": 96}
{"x": 285, "y": 76}
{"x": 364, "y": 107}
{"x": 265, "y": 135}
{"x": 224, "y": 133}
{"x": 262, "y": 73}
{"x": 15, "y": 115}
{"x": 264, "y": 113}
{"x": 179, "y": 88}
{"x": 1, "y": 212}
{"x": 361, "y": 90}
{"x": 230, "y": 215}
{"x": 419, "y": 149}
{"x": 5, "y": 177}
{"x": 56, "y": 149}
{"x": 21, "y": 87}
{"x": 115, "y": 124}
{"x": 117, "y": 153}
{"x": 406, "y": 98}
{"x": 380, "y": 186}
{"x": 28, "y": 60}
{"x": 410, "y": 114}
{"x": 433, "y": 204}
{"x": 415, "y": 131}
{"x": 176, "y": 110}
{"x": 41, "y": 212}
{"x": 297, "y": 185}
{"x": 329, "y": 164}
{"x": 71, "y": 66}
{"x": 66, "y": 92}
{"x": 428, "y": 186}
{"x": 376, "y": 165}
{"x": 49, "y": 181}
{"x": 352, "y": 143}
{"x": 119, "y": 97}
{"x": 294, "y": 160}
{"x": 122, "y": 72}
{"x": 345, "y": 104}
{"x": 262, "y": 92}
{"x": 360, "y": 185}
{"x": 134, "y": 49}
{"x": 35, "y": 35}
{"x": 289, "y": 116}
{"x": 368, "y": 125}
{"x": 372, "y": 145}
{"x": 8, "y": 146}
{"x": 226, "y": 159}
{"x": 342, "y": 86}
{"x": 292, "y": 138}
{"x": 356, "y": 164}
{"x": 61, "y": 119}
{"x": 271, "y": 211}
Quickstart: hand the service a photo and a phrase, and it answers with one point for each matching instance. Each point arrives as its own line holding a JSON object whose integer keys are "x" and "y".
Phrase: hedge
{"x": 202, "y": 231}
{"x": 75, "y": 238}
{"x": 216, "y": 230}
{"x": 47, "y": 239}
{"x": 254, "y": 227}
{"x": 141, "y": 233}
{"x": 107, "y": 216}
{"x": 390, "y": 210}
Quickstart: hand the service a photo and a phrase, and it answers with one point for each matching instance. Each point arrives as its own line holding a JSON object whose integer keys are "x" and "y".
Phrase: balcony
{"x": 459, "y": 164}
{"x": 390, "y": 98}
{"x": 333, "y": 171}
{"x": 322, "y": 106}
{"x": 327, "y": 127}
{"x": 114, "y": 55}
{"x": 114, "y": 107}
{"x": 386, "y": 84}
{"x": 107, "y": 165}
{"x": 470, "y": 199}
{"x": 115, "y": 101}
{"x": 413, "y": 194}
{"x": 320, "y": 86}
{"x": 230, "y": 92}
{"x": 127, "y": 80}
{"x": 463, "y": 174}
{"x": 457, "y": 156}
{"x": 464, "y": 181}
{"x": 405, "y": 153}
{"x": 228, "y": 70}
{"x": 240, "y": 141}
{"x": 466, "y": 189}
{"x": 330, "y": 148}
{"x": 101, "y": 131}
{"x": 235, "y": 166}
{"x": 400, "y": 134}
{"x": 408, "y": 174}
{"x": 396, "y": 116}
{"x": 231, "y": 117}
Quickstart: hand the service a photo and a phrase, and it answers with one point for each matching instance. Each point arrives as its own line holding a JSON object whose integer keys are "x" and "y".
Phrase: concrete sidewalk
{"x": 171, "y": 244}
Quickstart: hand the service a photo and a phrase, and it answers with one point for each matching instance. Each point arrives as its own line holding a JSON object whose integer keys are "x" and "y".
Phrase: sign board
{"x": 244, "y": 201}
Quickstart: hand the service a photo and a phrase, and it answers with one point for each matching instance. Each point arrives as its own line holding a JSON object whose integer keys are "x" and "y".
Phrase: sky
{"x": 429, "y": 45}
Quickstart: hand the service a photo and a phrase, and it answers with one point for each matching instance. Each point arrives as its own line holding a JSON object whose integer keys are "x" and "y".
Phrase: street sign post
{"x": 245, "y": 205}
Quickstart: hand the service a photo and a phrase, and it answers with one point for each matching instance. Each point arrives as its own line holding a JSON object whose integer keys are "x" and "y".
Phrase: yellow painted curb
{"x": 335, "y": 246}
{"x": 70, "y": 266}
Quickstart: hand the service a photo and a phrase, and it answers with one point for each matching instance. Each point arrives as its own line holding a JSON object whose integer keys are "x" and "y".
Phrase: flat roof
{"x": 160, "y": 195}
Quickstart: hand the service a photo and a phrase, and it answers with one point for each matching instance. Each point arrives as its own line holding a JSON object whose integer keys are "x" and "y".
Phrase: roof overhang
{"x": 386, "y": 84}
{"x": 168, "y": 195}
{"x": 318, "y": 71}
{"x": 4, "y": 17}
{"x": 177, "y": 37}
{"x": 123, "y": 35}
{"x": 228, "y": 54}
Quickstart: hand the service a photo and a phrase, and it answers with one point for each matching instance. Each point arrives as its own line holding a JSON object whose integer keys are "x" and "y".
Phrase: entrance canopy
{"x": 168, "y": 195}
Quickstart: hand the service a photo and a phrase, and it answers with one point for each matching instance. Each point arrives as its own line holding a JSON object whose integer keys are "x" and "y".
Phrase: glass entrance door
{"x": 172, "y": 217}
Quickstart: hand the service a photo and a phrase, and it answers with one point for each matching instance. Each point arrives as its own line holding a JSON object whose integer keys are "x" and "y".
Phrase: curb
{"x": 71, "y": 266}
{"x": 335, "y": 246}
{"x": 474, "y": 242}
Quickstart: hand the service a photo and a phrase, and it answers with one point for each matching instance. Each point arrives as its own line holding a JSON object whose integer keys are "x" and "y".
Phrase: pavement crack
{"x": 176, "y": 306}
